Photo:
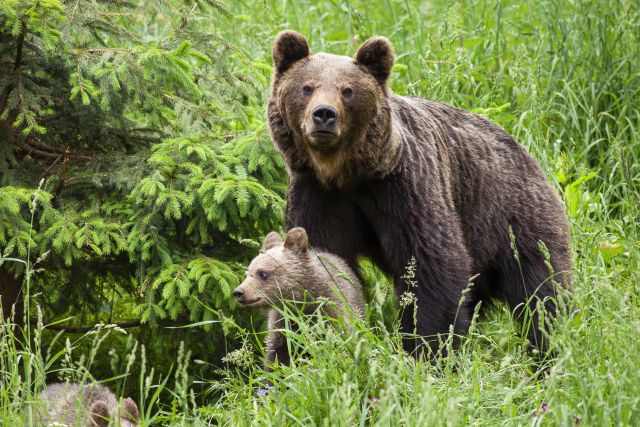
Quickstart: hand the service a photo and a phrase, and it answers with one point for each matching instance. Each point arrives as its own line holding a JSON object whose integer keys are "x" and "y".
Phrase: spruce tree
{"x": 133, "y": 160}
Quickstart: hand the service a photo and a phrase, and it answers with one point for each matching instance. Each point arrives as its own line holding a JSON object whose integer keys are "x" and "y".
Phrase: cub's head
{"x": 329, "y": 103}
{"x": 277, "y": 273}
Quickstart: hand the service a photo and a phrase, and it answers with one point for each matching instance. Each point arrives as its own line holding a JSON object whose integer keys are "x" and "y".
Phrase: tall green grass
{"x": 564, "y": 78}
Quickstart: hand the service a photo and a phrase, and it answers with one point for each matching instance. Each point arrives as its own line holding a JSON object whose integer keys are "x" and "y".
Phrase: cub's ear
{"x": 99, "y": 413}
{"x": 129, "y": 410}
{"x": 376, "y": 54}
{"x": 272, "y": 239}
{"x": 297, "y": 241}
{"x": 288, "y": 48}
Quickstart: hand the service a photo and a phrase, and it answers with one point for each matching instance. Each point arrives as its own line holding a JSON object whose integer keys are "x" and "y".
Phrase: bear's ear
{"x": 288, "y": 48}
{"x": 272, "y": 239}
{"x": 130, "y": 410}
{"x": 297, "y": 241}
{"x": 376, "y": 54}
{"x": 99, "y": 413}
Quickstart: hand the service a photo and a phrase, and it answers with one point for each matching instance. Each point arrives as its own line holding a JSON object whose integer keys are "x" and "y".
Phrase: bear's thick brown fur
{"x": 389, "y": 177}
{"x": 289, "y": 271}
{"x": 89, "y": 405}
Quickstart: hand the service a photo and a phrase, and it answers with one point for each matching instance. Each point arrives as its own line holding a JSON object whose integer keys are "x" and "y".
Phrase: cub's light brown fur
{"x": 289, "y": 271}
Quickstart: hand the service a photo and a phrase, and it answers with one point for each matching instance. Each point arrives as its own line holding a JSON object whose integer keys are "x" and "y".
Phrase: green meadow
{"x": 137, "y": 181}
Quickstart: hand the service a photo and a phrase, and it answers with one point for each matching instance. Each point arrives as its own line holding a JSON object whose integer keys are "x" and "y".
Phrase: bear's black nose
{"x": 238, "y": 292}
{"x": 324, "y": 115}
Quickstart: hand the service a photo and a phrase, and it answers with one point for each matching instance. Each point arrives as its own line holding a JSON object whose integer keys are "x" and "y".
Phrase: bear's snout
{"x": 247, "y": 296}
{"x": 324, "y": 116}
{"x": 240, "y": 295}
{"x": 324, "y": 130}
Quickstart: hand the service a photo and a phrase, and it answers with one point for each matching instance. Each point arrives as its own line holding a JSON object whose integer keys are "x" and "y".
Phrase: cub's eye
{"x": 347, "y": 92}
{"x": 263, "y": 275}
{"x": 307, "y": 90}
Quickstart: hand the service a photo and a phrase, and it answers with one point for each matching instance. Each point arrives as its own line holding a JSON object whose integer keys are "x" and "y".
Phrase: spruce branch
{"x": 47, "y": 152}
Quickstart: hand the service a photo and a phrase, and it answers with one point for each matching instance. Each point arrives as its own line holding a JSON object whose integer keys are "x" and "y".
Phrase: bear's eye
{"x": 307, "y": 90}
{"x": 263, "y": 275}
{"x": 347, "y": 92}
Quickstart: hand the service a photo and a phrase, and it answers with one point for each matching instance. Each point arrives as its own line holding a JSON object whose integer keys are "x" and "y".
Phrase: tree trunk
{"x": 10, "y": 291}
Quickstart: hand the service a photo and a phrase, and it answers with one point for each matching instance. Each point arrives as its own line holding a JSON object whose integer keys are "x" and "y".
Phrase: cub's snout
{"x": 248, "y": 295}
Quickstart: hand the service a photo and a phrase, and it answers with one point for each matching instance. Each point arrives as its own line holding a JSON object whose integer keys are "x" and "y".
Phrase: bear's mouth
{"x": 324, "y": 135}
{"x": 249, "y": 304}
{"x": 323, "y": 140}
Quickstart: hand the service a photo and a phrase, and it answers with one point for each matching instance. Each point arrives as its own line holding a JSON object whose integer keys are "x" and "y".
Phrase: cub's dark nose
{"x": 238, "y": 292}
{"x": 324, "y": 115}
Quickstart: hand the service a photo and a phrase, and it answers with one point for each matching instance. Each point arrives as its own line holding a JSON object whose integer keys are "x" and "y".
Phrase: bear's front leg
{"x": 276, "y": 344}
{"x": 424, "y": 251}
{"x": 430, "y": 289}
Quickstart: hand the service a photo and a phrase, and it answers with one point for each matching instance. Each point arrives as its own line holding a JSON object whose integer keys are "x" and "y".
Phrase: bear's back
{"x": 490, "y": 178}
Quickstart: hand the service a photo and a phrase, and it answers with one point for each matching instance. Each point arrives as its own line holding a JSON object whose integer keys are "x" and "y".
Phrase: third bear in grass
{"x": 289, "y": 271}
{"x": 85, "y": 405}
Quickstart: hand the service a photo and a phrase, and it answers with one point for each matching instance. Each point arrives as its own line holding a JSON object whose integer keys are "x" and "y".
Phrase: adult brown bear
{"x": 389, "y": 177}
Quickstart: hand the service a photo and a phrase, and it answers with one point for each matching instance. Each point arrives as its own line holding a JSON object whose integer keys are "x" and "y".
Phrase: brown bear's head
{"x": 277, "y": 273}
{"x": 330, "y": 106}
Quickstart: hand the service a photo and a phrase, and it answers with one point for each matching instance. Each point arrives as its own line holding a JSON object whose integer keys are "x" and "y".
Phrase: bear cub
{"x": 289, "y": 271}
{"x": 89, "y": 405}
